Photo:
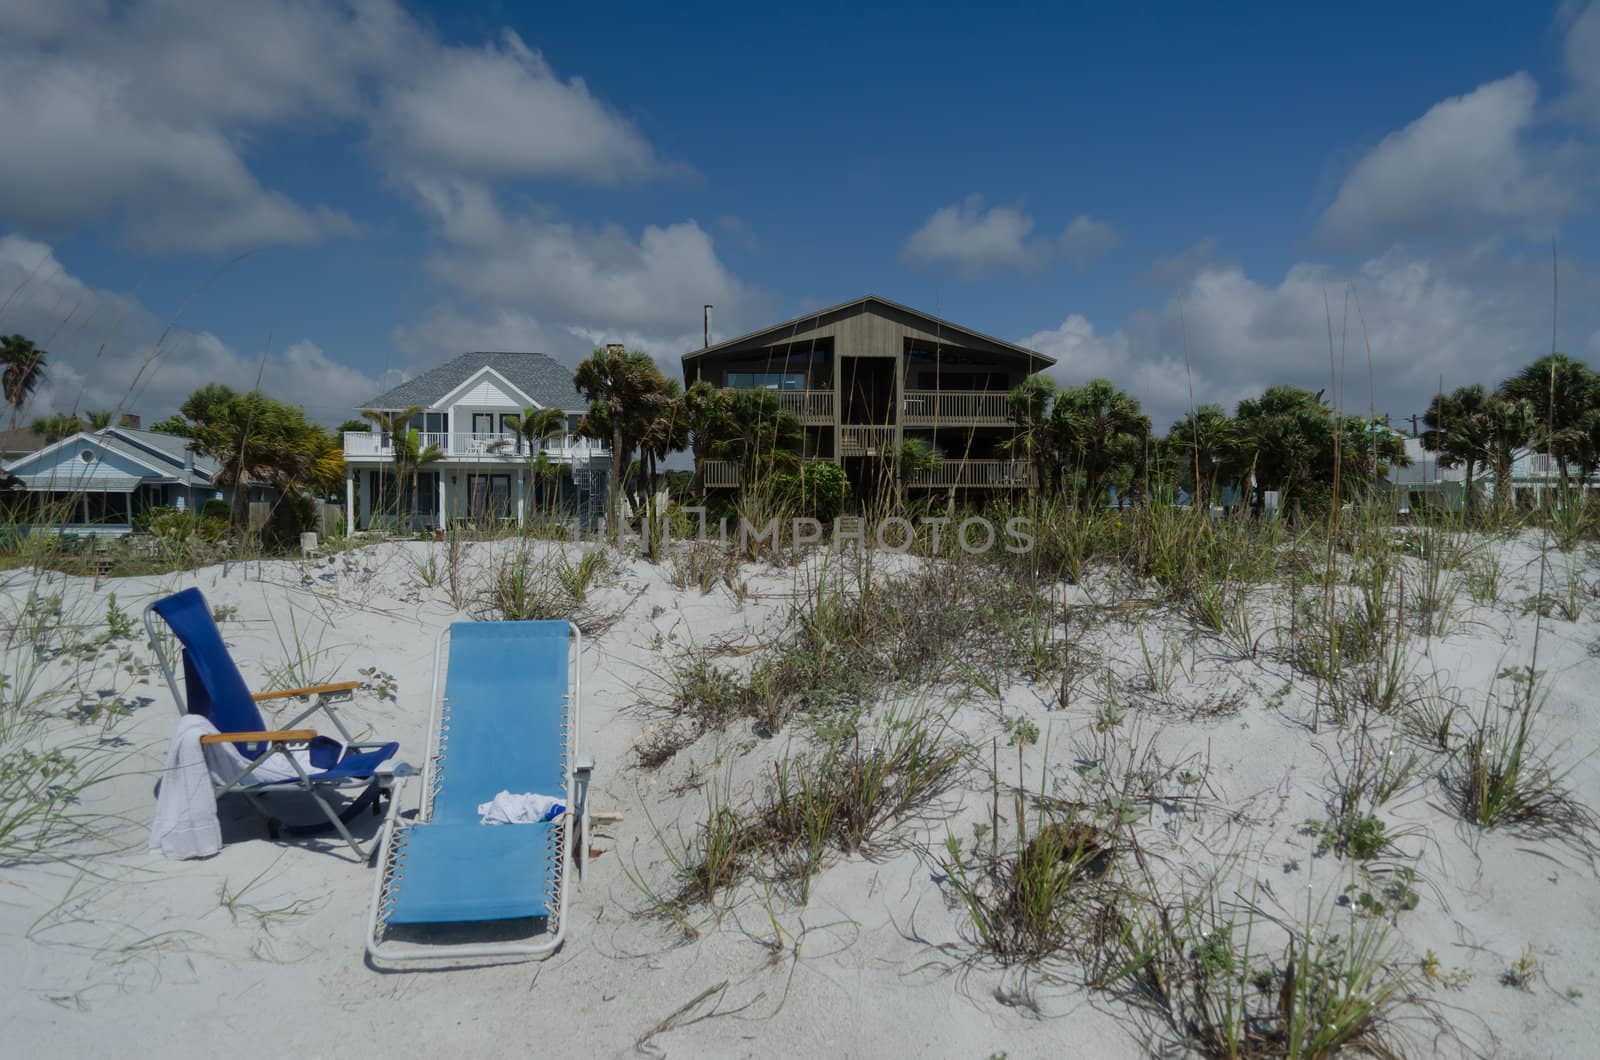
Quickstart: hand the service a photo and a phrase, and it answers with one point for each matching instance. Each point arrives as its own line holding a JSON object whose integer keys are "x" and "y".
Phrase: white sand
{"x": 116, "y": 951}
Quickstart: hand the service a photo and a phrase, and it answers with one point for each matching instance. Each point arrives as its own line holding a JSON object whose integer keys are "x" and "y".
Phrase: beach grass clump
{"x": 1204, "y": 972}
{"x": 842, "y": 796}
{"x": 1504, "y": 780}
{"x": 1031, "y": 903}
{"x": 44, "y": 779}
{"x": 847, "y": 793}
{"x": 529, "y": 583}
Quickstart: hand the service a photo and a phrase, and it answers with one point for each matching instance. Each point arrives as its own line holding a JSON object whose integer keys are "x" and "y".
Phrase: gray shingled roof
{"x": 173, "y": 448}
{"x": 543, "y": 378}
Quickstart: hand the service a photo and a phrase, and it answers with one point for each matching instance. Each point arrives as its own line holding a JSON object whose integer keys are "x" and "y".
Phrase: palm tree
{"x": 56, "y": 427}
{"x": 1205, "y": 444}
{"x": 1565, "y": 396}
{"x": 760, "y": 433}
{"x": 396, "y": 425}
{"x": 24, "y": 371}
{"x": 1029, "y": 406}
{"x": 623, "y": 390}
{"x": 1460, "y": 429}
{"x": 98, "y": 419}
{"x": 253, "y": 439}
{"x": 1286, "y": 436}
{"x": 1511, "y": 424}
{"x": 536, "y": 425}
{"x": 667, "y": 432}
{"x": 706, "y": 408}
{"x": 1100, "y": 428}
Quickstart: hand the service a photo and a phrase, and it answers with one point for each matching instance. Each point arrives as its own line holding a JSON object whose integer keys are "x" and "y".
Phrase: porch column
{"x": 444, "y": 506}
{"x": 349, "y": 501}
{"x": 521, "y": 491}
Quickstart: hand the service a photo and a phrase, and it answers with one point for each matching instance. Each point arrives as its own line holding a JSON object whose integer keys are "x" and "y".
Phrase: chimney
{"x": 705, "y": 319}
{"x": 614, "y": 347}
{"x": 131, "y": 420}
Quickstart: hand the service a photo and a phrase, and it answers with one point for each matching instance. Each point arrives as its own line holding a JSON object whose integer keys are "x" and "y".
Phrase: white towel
{"x": 506, "y": 808}
{"x": 185, "y": 824}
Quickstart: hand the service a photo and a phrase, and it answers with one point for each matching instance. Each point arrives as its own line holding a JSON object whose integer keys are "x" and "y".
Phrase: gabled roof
{"x": 166, "y": 448}
{"x": 544, "y": 379}
{"x": 776, "y": 333}
{"x": 165, "y": 456}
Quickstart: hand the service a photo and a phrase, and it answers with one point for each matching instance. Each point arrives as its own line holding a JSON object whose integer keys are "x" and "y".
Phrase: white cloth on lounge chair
{"x": 185, "y": 824}
{"x": 506, "y": 808}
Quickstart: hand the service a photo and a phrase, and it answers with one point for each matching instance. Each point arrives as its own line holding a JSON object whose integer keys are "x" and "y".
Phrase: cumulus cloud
{"x": 602, "y": 284}
{"x": 975, "y": 239}
{"x": 1468, "y": 161}
{"x": 147, "y": 113}
{"x": 1177, "y": 271}
{"x": 1086, "y": 239}
{"x": 106, "y": 350}
{"x": 1471, "y": 317}
{"x": 1581, "y": 50}
{"x": 500, "y": 111}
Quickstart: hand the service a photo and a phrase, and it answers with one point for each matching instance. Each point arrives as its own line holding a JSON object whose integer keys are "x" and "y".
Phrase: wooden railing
{"x": 719, "y": 474}
{"x": 966, "y": 408}
{"x": 857, "y": 440}
{"x": 810, "y": 407}
{"x": 980, "y": 474}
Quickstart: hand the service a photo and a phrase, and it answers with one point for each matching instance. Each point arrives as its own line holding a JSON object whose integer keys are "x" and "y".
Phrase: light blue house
{"x": 97, "y": 482}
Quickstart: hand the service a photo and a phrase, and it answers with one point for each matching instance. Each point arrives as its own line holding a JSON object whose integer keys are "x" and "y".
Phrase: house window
{"x": 483, "y": 423}
{"x": 489, "y": 496}
{"x": 767, "y": 380}
{"x": 429, "y": 422}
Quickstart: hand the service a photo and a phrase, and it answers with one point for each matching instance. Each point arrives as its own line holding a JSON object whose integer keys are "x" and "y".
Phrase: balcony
{"x": 719, "y": 474}
{"x": 813, "y": 408}
{"x": 476, "y": 447}
{"x": 955, "y": 408}
{"x": 975, "y": 474}
{"x": 857, "y": 440}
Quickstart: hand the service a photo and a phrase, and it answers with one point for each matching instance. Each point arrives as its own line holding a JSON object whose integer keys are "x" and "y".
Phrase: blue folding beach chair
{"x": 506, "y": 721}
{"x": 216, "y": 690}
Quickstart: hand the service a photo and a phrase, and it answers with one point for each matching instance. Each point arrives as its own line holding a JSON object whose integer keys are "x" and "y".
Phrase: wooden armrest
{"x": 309, "y": 690}
{"x": 273, "y": 736}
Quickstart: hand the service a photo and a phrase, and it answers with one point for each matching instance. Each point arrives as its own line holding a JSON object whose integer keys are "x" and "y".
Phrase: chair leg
{"x": 333, "y": 818}
{"x": 582, "y": 773}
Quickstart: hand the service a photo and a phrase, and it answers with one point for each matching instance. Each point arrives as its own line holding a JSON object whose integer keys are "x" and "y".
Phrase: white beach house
{"x": 484, "y": 470}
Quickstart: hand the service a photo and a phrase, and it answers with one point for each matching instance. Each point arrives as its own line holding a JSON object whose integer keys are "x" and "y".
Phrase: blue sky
{"x": 337, "y": 193}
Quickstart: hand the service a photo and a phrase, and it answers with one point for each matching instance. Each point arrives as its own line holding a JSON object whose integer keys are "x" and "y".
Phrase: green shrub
{"x": 818, "y": 490}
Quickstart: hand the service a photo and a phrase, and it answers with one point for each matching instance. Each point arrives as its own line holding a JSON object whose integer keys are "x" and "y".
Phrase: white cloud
{"x": 600, "y": 283}
{"x": 974, "y": 239}
{"x": 1582, "y": 53}
{"x": 1472, "y": 317}
{"x": 106, "y": 351}
{"x": 445, "y": 330}
{"x": 1177, "y": 271}
{"x": 1086, "y": 239}
{"x": 148, "y": 112}
{"x": 500, "y": 112}
{"x": 1468, "y": 161}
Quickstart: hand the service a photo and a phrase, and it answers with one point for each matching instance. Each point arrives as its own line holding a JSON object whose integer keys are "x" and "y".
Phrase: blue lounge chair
{"x": 216, "y": 690}
{"x": 506, "y": 721}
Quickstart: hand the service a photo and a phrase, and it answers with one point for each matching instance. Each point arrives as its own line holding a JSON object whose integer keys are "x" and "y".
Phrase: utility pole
{"x": 1414, "y": 432}
{"x": 705, "y": 314}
